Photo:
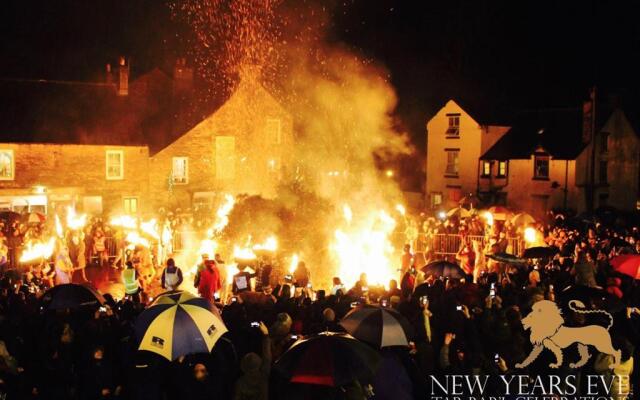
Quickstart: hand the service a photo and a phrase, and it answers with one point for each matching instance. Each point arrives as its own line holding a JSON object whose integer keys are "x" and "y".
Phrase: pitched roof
{"x": 558, "y": 131}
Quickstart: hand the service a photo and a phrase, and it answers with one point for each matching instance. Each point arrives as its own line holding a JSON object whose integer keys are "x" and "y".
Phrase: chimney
{"x": 123, "y": 77}
{"x": 182, "y": 76}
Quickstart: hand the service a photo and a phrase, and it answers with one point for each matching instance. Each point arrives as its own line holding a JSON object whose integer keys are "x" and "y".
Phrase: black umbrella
{"x": 586, "y": 294}
{"x": 379, "y": 326}
{"x": 540, "y": 252}
{"x": 444, "y": 268}
{"x": 506, "y": 258}
{"x": 328, "y": 359}
{"x": 71, "y": 295}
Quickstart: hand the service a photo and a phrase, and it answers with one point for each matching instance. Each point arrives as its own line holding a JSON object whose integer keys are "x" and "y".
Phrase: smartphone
{"x": 216, "y": 296}
{"x": 424, "y": 300}
{"x": 354, "y": 304}
{"x": 493, "y": 285}
{"x": 288, "y": 277}
{"x": 496, "y": 358}
{"x": 234, "y": 299}
{"x": 384, "y": 303}
{"x": 459, "y": 308}
{"x": 255, "y": 324}
{"x": 102, "y": 309}
{"x": 294, "y": 337}
{"x": 492, "y": 293}
{"x": 551, "y": 288}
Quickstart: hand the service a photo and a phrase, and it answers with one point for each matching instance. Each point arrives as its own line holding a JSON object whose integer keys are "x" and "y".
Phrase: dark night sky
{"x": 520, "y": 54}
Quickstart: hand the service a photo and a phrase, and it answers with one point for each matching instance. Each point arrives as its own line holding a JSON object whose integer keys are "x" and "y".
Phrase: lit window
{"x": 603, "y": 171}
{"x": 454, "y": 125}
{"x": 453, "y": 159}
{"x": 274, "y": 131}
{"x": 180, "y": 170}
{"x": 502, "y": 169}
{"x": 436, "y": 199}
{"x": 541, "y": 167}
{"x": 486, "y": 168}
{"x": 115, "y": 164}
{"x": 225, "y": 157}
{"x": 131, "y": 205}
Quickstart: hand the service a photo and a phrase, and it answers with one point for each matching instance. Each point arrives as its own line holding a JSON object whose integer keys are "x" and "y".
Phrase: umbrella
{"x": 499, "y": 212}
{"x": 36, "y": 218}
{"x": 458, "y": 212}
{"x": 540, "y": 252}
{"x": 506, "y": 258}
{"x": 379, "y": 326}
{"x": 628, "y": 264}
{"x": 177, "y": 324}
{"x": 328, "y": 359}
{"x": 586, "y": 294}
{"x": 444, "y": 268}
{"x": 522, "y": 219}
{"x": 71, "y": 295}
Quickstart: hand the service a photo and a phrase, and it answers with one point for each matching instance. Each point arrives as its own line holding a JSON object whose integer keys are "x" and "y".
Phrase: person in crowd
{"x": 77, "y": 255}
{"x": 171, "y": 276}
{"x": 256, "y": 370}
{"x": 301, "y": 275}
{"x": 199, "y": 268}
{"x": 131, "y": 281}
{"x": 407, "y": 260}
{"x": 209, "y": 282}
{"x": 241, "y": 281}
{"x": 100, "y": 247}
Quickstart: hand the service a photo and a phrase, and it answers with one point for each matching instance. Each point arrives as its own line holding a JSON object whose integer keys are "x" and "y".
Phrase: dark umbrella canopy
{"x": 540, "y": 252}
{"x": 328, "y": 359}
{"x": 379, "y": 326}
{"x": 506, "y": 258}
{"x": 444, "y": 268}
{"x": 71, "y": 295}
{"x": 587, "y": 295}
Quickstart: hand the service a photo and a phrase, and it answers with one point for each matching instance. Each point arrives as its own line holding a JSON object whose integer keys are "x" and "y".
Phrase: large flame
{"x": 124, "y": 221}
{"x": 364, "y": 246}
{"x": 271, "y": 244}
{"x": 222, "y": 214}
{"x": 75, "y": 221}
{"x": 35, "y": 250}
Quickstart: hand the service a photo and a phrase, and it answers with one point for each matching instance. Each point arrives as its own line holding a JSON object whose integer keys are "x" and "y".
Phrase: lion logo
{"x": 548, "y": 331}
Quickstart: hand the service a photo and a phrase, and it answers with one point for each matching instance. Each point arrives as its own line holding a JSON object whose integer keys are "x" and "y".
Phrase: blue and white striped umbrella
{"x": 177, "y": 324}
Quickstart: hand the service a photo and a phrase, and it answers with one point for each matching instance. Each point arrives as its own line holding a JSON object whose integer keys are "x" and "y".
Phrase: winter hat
{"x": 250, "y": 363}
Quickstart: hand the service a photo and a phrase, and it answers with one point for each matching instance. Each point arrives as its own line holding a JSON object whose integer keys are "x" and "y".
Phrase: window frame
{"x": 453, "y": 129}
{"x": 435, "y": 205}
{"x": 500, "y": 174}
{"x": 604, "y": 174}
{"x": 186, "y": 170}
{"x": 543, "y": 157}
{"x": 120, "y": 153}
{"x": 484, "y": 165}
{"x": 124, "y": 204}
{"x": 456, "y": 173}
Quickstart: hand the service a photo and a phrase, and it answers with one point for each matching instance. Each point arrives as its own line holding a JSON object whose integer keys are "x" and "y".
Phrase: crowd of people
{"x": 463, "y": 325}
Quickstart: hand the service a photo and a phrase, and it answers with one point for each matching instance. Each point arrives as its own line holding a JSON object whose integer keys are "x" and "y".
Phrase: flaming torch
{"x": 75, "y": 221}
{"x": 37, "y": 251}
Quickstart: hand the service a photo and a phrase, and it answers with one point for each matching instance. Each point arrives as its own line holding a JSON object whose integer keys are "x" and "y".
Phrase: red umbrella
{"x": 628, "y": 264}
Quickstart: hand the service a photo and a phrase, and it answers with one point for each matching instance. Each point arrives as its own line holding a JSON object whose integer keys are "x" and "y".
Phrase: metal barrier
{"x": 443, "y": 244}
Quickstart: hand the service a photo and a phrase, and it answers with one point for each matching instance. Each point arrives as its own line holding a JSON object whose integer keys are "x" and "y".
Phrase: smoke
{"x": 342, "y": 105}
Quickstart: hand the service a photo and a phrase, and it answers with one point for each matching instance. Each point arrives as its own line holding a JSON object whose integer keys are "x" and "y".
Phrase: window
{"x": 131, "y": 205}
{"x": 225, "y": 157}
{"x": 541, "y": 167}
{"x": 455, "y": 194}
{"x": 602, "y": 170}
{"x": 486, "y": 169}
{"x": 454, "y": 125}
{"x": 453, "y": 156}
{"x": 114, "y": 164}
{"x": 604, "y": 142}
{"x": 274, "y": 131}
{"x": 180, "y": 170}
{"x": 7, "y": 165}
{"x": 502, "y": 169}
{"x": 436, "y": 199}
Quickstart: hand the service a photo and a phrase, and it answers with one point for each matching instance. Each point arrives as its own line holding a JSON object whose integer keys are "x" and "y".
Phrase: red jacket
{"x": 209, "y": 280}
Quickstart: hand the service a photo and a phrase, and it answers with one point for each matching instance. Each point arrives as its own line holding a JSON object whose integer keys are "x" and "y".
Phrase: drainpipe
{"x": 566, "y": 180}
